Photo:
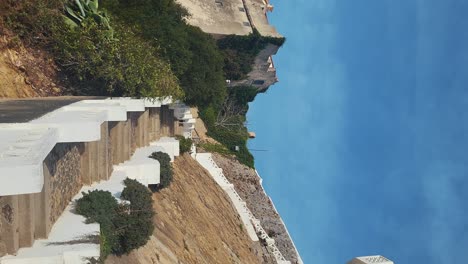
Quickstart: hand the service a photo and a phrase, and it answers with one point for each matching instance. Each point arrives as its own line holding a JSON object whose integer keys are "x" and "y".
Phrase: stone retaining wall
{"x": 24, "y": 218}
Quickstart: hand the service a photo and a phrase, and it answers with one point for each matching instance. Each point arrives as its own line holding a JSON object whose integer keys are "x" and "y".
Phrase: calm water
{"x": 367, "y": 131}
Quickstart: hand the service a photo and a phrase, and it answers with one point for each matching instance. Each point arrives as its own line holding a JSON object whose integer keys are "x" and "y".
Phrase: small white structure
{"x": 182, "y": 113}
{"x": 169, "y": 145}
{"x": 23, "y": 148}
{"x": 142, "y": 168}
{"x": 377, "y": 259}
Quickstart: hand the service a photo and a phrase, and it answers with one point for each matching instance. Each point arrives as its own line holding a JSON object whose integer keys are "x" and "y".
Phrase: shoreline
{"x": 281, "y": 219}
{"x": 247, "y": 183}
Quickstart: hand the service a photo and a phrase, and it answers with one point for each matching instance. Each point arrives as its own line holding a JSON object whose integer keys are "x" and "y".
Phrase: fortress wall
{"x": 154, "y": 124}
{"x": 69, "y": 166}
{"x": 64, "y": 166}
{"x": 133, "y": 130}
{"x": 168, "y": 121}
{"x": 9, "y": 237}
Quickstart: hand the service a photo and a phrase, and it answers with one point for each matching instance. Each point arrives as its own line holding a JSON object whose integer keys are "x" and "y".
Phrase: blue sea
{"x": 364, "y": 141}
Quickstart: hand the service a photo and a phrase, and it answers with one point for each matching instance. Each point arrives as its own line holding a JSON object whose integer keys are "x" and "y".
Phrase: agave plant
{"x": 78, "y": 10}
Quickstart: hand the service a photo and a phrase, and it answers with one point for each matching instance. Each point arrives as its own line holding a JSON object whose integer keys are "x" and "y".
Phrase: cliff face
{"x": 195, "y": 223}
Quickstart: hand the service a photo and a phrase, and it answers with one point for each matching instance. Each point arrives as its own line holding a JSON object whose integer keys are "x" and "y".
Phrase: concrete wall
{"x": 219, "y": 17}
{"x": 69, "y": 166}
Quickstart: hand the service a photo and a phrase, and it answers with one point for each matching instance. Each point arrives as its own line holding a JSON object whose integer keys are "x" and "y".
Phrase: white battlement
{"x": 66, "y": 245}
{"x": 132, "y": 105}
{"x": 22, "y": 149}
{"x": 24, "y": 146}
{"x": 75, "y": 125}
{"x": 114, "y": 110}
{"x": 141, "y": 167}
{"x": 170, "y": 146}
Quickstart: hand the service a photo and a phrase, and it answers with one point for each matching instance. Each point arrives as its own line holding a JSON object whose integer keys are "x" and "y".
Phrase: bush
{"x": 213, "y": 147}
{"x": 96, "y": 205}
{"x": 94, "y": 59}
{"x": 139, "y": 222}
{"x": 193, "y": 55}
{"x": 185, "y": 144}
{"x": 101, "y": 207}
{"x": 166, "y": 172}
{"x": 124, "y": 227}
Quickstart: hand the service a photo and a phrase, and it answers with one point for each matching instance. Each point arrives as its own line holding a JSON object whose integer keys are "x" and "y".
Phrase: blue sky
{"x": 367, "y": 130}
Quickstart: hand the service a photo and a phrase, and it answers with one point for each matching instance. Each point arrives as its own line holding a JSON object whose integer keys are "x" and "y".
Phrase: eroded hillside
{"x": 195, "y": 223}
{"x": 25, "y": 72}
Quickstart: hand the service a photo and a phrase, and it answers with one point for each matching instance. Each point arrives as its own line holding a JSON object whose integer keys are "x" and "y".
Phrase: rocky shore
{"x": 248, "y": 184}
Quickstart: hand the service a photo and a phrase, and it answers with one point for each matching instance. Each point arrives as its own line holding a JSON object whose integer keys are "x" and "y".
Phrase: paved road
{"x": 24, "y": 110}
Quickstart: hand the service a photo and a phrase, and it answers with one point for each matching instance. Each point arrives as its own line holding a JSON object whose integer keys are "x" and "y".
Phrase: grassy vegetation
{"x": 185, "y": 144}
{"x": 226, "y": 125}
{"x": 218, "y": 148}
{"x": 92, "y": 61}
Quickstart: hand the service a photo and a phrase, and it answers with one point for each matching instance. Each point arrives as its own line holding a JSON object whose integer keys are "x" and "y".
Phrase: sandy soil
{"x": 25, "y": 72}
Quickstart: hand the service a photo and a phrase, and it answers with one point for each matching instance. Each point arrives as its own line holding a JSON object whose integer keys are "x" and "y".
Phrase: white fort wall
{"x": 25, "y": 146}
{"x": 35, "y": 158}
{"x": 59, "y": 247}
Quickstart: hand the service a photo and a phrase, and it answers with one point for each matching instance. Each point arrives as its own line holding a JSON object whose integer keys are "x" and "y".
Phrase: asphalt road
{"x": 25, "y": 110}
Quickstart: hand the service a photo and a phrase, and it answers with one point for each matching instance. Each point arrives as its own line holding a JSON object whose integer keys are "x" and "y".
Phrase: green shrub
{"x": 193, "y": 55}
{"x": 96, "y": 205}
{"x": 124, "y": 227}
{"x": 166, "y": 172}
{"x": 234, "y": 133}
{"x": 208, "y": 115}
{"x": 185, "y": 144}
{"x": 139, "y": 222}
{"x": 231, "y": 139}
{"x": 91, "y": 61}
{"x": 218, "y": 148}
{"x": 101, "y": 207}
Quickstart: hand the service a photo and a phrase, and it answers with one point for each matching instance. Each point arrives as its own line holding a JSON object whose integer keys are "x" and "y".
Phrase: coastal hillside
{"x": 115, "y": 48}
{"x": 195, "y": 223}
